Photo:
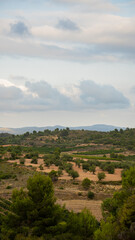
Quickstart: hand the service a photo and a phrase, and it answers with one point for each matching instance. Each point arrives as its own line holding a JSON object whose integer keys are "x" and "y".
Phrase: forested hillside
{"x": 68, "y": 184}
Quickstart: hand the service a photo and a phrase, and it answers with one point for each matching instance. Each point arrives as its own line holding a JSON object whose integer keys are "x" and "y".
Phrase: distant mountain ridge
{"x": 96, "y": 127}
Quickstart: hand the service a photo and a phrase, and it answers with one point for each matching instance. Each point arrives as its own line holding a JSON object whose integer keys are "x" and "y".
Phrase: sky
{"x": 67, "y": 62}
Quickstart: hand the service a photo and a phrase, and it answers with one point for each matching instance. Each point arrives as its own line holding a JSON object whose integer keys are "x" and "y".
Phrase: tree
{"x": 78, "y": 162}
{"x": 90, "y": 195}
{"x": 34, "y": 160}
{"x": 121, "y": 211}
{"x": 83, "y": 224}
{"x": 86, "y": 166}
{"x": 64, "y": 132}
{"x": 93, "y": 169}
{"x": 110, "y": 168}
{"x": 86, "y": 183}
{"x": 101, "y": 176}
{"x": 53, "y": 175}
{"x": 57, "y": 152}
{"x": 128, "y": 179}
{"x": 107, "y": 230}
{"x": 33, "y": 212}
{"x": 74, "y": 174}
{"x": 67, "y": 158}
{"x": 126, "y": 214}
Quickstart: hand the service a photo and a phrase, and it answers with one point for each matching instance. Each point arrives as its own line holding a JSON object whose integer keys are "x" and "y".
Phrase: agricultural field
{"x": 68, "y": 157}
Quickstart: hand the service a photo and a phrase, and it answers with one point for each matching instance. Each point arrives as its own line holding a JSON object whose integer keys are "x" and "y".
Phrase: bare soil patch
{"x": 82, "y": 174}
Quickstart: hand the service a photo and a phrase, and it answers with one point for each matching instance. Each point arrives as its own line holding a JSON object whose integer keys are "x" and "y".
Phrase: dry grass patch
{"x": 78, "y": 205}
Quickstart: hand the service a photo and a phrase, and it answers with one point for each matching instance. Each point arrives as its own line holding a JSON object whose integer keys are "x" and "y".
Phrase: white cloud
{"x": 41, "y": 96}
{"x": 101, "y": 37}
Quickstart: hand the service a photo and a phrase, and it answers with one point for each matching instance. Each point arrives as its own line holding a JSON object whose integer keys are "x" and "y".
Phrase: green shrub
{"x": 41, "y": 167}
{"x": 90, "y": 195}
{"x": 74, "y": 174}
{"x": 8, "y": 187}
{"x": 53, "y": 175}
{"x": 86, "y": 183}
{"x": 79, "y": 193}
{"x": 67, "y": 158}
{"x": 61, "y": 188}
{"x": 101, "y": 176}
{"x": 86, "y": 166}
{"x": 22, "y": 160}
{"x": 15, "y": 164}
{"x": 6, "y": 175}
{"x": 34, "y": 160}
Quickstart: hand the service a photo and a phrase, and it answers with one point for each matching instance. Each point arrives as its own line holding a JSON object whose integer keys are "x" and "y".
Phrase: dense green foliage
{"x": 35, "y": 213}
{"x": 67, "y": 140}
{"x": 119, "y": 212}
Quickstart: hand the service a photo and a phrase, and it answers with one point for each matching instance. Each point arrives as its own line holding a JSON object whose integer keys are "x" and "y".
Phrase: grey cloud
{"x": 67, "y": 24}
{"x": 132, "y": 90}
{"x": 10, "y": 93}
{"x": 48, "y": 96}
{"x": 10, "y": 98}
{"x": 41, "y": 96}
{"x": 102, "y": 96}
{"x": 84, "y": 53}
{"x": 19, "y": 28}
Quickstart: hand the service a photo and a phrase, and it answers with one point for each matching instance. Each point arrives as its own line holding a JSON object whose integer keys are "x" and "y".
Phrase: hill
{"x": 96, "y": 127}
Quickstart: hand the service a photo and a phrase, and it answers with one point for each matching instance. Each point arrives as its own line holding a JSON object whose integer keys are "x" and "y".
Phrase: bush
{"x": 86, "y": 166}
{"x": 79, "y": 193}
{"x": 60, "y": 173}
{"x": 15, "y": 164}
{"x": 101, "y": 176}
{"x": 41, "y": 167}
{"x": 128, "y": 178}
{"x": 86, "y": 183}
{"x": 82, "y": 225}
{"x": 22, "y": 160}
{"x": 73, "y": 174}
{"x": 34, "y": 160}
{"x": 91, "y": 195}
{"x": 92, "y": 169}
{"x": 67, "y": 158}
{"x": 53, "y": 175}
{"x": 6, "y": 175}
{"x": 13, "y": 155}
{"x": 8, "y": 187}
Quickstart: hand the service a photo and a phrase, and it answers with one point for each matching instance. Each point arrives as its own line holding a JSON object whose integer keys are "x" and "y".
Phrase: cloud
{"x": 96, "y": 41}
{"x": 41, "y": 96}
{"x": 10, "y": 98}
{"x": 89, "y": 5}
{"x": 132, "y": 90}
{"x": 48, "y": 96}
{"x": 10, "y": 93}
{"x": 101, "y": 96}
{"x": 67, "y": 24}
{"x": 19, "y": 28}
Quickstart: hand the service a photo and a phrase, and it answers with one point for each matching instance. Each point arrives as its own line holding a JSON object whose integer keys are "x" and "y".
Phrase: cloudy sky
{"x": 67, "y": 62}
